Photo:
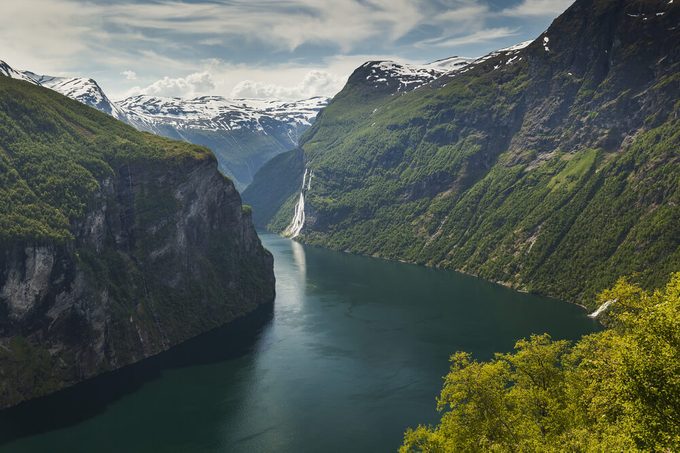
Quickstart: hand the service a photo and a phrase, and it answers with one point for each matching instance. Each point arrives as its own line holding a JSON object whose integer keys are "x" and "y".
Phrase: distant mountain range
{"x": 243, "y": 133}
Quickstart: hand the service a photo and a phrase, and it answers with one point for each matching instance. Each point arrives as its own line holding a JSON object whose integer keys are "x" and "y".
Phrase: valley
{"x": 343, "y": 346}
{"x": 290, "y": 234}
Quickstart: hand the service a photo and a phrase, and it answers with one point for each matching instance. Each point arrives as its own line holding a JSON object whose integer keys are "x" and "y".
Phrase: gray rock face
{"x": 164, "y": 253}
{"x": 28, "y": 282}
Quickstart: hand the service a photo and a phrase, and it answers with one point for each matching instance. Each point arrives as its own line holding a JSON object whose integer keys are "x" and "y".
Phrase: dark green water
{"x": 351, "y": 354}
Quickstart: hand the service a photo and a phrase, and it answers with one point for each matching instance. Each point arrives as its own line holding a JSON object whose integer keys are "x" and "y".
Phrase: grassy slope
{"x": 285, "y": 173}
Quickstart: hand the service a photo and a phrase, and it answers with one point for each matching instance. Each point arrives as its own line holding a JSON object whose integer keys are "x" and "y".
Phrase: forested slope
{"x": 553, "y": 168}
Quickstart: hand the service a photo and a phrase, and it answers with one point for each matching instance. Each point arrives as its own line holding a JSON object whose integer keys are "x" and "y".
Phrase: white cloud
{"x": 480, "y": 36}
{"x": 129, "y": 75}
{"x": 315, "y": 83}
{"x": 99, "y": 31}
{"x": 192, "y": 85}
{"x": 282, "y": 81}
{"x": 285, "y": 24}
{"x": 42, "y": 34}
{"x": 175, "y": 38}
{"x": 533, "y": 8}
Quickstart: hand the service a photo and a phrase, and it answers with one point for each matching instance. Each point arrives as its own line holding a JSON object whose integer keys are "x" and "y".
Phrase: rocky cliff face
{"x": 162, "y": 252}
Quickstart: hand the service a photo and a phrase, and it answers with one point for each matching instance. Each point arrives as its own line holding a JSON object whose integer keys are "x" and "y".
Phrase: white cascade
{"x": 601, "y": 309}
{"x": 295, "y": 227}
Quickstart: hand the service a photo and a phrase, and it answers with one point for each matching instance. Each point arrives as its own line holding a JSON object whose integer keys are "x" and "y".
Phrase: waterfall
{"x": 601, "y": 309}
{"x": 295, "y": 227}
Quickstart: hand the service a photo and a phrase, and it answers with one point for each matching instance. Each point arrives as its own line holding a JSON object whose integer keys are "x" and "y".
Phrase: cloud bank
{"x": 166, "y": 47}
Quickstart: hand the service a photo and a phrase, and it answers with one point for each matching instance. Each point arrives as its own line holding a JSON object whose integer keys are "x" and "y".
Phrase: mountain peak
{"x": 85, "y": 90}
{"x": 216, "y": 112}
{"x": 399, "y": 77}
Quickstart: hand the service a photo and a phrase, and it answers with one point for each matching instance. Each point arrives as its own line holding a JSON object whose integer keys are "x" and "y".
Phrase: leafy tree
{"x": 616, "y": 390}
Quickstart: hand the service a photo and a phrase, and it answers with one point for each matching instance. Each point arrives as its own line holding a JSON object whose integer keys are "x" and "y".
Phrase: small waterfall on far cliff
{"x": 295, "y": 227}
{"x": 601, "y": 309}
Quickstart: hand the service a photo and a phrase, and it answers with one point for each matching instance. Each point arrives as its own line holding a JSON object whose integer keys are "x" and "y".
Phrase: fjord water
{"x": 352, "y": 352}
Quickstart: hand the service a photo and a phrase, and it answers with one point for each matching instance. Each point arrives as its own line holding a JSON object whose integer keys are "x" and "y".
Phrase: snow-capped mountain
{"x": 214, "y": 113}
{"x": 403, "y": 77}
{"x": 243, "y": 133}
{"x": 512, "y": 53}
{"x": 84, "y": 90}
{"x": 10, "y": 72}
{"x": 81, "y": 89}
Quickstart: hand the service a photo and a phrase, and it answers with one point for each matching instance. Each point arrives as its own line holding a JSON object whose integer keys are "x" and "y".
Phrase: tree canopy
{"x": 615, "y": 390}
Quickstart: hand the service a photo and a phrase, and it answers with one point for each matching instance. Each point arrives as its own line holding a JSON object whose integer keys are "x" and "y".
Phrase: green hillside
{"x": 554, "y": 169}
{"x": 54, "y": 152}
{"x": 615, "y": 390}
{"x": 115, "y": 245}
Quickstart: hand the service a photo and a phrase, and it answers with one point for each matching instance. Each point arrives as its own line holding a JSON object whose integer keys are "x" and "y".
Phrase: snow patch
{"x": 215, "y": 113}
{"x": 516, "y": 47}
{"x": 408, "y": 77}
{"x": 81, "y": 89}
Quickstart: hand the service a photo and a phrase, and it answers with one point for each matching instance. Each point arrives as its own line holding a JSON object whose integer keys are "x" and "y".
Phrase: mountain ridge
{"x": 503, "y": 168}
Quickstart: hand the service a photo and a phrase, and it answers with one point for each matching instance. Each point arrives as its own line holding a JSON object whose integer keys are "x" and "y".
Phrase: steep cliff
{"x": 551, "y": 167}
{"x": 114, "y": 244}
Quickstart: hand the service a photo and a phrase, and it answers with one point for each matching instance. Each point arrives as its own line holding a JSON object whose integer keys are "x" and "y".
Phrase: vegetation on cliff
{"x": 616, "y": 390}
{"x": 54, "y": 153}
{"x": 114, "y": 244}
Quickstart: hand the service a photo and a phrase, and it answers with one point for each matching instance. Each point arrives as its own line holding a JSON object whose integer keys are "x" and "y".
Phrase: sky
{"x": 286, "y": 49}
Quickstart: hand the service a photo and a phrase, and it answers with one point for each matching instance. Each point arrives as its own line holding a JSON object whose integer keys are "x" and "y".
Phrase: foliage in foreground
{"x": 616, "y": 390}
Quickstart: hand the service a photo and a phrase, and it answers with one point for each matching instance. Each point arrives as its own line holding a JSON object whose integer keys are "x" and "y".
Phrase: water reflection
{"x": 299, "y": 259}
{"x": 92, "y": 398}
{"x": 290, "y": 267}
